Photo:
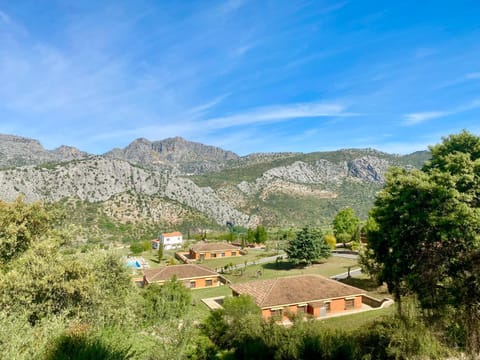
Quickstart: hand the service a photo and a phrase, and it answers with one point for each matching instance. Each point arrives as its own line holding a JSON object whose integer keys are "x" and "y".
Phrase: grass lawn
{"x": 199, "y": 311}
{"x": 151, "y": 258}
{"x": 362, "y": 281}
{"x": 331, "y": 266}
{"x": 253, "y": 254}
{"x": 355, "y": 321}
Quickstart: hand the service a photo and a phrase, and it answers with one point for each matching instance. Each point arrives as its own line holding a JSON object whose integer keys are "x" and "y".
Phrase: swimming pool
{"x": 134, "y": 263}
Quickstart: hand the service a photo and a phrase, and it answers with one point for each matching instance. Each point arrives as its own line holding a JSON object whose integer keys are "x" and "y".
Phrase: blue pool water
{"x": 134, "y": 263}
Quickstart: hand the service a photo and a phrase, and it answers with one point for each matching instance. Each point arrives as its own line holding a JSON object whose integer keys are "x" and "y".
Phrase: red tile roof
{"x": 175, "y": 233}
{"x": 294, "y": 290}
{"x": 218, "y": 246}
{"x": 182, "y": 272}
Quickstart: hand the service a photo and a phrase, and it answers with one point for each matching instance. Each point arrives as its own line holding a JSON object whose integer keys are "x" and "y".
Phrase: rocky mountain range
{"x": 281, "y": 189}
{"x": 18, "y": 151}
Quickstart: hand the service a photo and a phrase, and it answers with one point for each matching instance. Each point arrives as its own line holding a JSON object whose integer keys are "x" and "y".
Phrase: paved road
{"x": 345, "y": 254}
{"x": 353, "y": 272}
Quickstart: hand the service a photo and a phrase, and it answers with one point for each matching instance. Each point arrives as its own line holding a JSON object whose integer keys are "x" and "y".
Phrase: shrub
{"x": 79, "y": 343}
{"x": 330, "y": 240}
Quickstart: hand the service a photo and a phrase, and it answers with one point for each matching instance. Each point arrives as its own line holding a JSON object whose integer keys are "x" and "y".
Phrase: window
{"x": 234, "y": 253}
{"x": 277, "y": 313}
{"x": 349, "y": 304}
{"x": 192, "y": 284}
{"x": 302, "y": 309}
{"x": 326, "y": 305}
{"x": 214, "y": 255}
{"x": 222, "y": 254}
{"x": 208, "y": 282}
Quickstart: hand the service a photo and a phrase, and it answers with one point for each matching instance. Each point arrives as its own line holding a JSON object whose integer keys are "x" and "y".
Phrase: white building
{"x": 170, "y": 241}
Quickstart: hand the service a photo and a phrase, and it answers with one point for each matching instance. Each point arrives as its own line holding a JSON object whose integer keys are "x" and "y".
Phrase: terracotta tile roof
{"x": 175, "y": 233}
{"x": 182, "y": 272}
{"x": 218, "y": 246}
{"x": 294, "y": 290}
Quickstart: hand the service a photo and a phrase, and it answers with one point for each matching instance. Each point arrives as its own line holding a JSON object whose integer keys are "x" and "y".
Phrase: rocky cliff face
{"x": 176, "y": 154}
{"x": 277, "y": 189}
{"x": 323, "y": 173}
{"x": 98, "y": 179}
{"x": 18, "y": 151}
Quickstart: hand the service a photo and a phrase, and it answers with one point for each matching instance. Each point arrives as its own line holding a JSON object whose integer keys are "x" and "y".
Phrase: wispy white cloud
{"x": 278, "y": 113}
{"x": 464, "y": 78}
{"x": 333, "y": 7}
{"x": 244, "y": 137}
{"x": 472, "y": 76}
{"x": 420, "y": 117}
{"x": 231, "y": 6}
{"x": 5, "y": 18}
{"x": 424, "y": 52}
{"x": 241, "y": 50}
{"x": 202, "y": 108}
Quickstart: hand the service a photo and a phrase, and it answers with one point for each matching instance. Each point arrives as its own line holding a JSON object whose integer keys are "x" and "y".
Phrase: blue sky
{"x": 246, "y": 75}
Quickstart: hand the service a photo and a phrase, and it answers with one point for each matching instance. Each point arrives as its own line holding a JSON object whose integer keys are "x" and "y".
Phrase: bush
{"x": 400, "y": 338}
{"x": 79, "y": 343}
{"x": 168, "y": 301}
{"x": 139, "y": 247}
{"x": 330, "y": 240}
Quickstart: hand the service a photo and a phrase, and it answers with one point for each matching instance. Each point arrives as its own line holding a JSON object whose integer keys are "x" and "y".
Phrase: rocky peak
{"x": 19, "y": 151}
{"x": 67, "y": 153}
{"x": 178, "y": 149}
{"x": 370, "y": 168}
{"x": 175, "y": 152}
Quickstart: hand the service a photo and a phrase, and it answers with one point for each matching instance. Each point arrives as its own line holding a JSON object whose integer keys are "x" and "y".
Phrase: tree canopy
{"x": 20, "y": 225}
{"x": 345, "y": 225}
{"x": 258, "y": 235}
{"x": 427, "y": 234}
{"x": 168, "y": 301}
{"x": 307, "y": 246}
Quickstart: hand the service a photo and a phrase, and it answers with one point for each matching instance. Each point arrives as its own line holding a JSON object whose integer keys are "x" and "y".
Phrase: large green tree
{"x": 427, "y": 234}
{"x": 261, "y": 235}
{"x": 164, "y": 302}
{"x": 21, "y": 225}
{"x": 239, "y": 314}
{"x": 345, "y": 225}
{"x": 307, "y": 246}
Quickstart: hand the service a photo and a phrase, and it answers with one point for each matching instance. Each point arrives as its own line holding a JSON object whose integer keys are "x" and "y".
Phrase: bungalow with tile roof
{"x": 204, "y": 250}
{"x": 191, "y": 275}
{"x": 309, "y": 294}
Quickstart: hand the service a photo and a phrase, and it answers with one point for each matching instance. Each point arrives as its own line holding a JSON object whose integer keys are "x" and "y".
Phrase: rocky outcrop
{"x": 275, "y": 187}
{"x": 292, "y": 179}
{"x": 19, "y": 151}
{"x": 369, "y": 168}
{"x": 176, "y": 153}
{"x": 98, "y": 179}
{"x": 68, "y": 153}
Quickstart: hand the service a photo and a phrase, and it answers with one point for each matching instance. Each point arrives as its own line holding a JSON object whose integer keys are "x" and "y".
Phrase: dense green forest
{"x": 62, "y": 301}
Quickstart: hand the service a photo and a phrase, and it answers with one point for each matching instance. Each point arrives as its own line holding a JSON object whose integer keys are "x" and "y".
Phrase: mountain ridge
{"x": 276, "y": 189}
{"x": 18, "y": 150}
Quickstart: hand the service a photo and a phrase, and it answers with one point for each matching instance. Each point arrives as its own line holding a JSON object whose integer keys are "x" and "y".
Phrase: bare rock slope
{"x": 18, "y": 151}
{"x": 246, "y": 190}
{"x": 98, "y": 179}
{"x": 176, "y": 153}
